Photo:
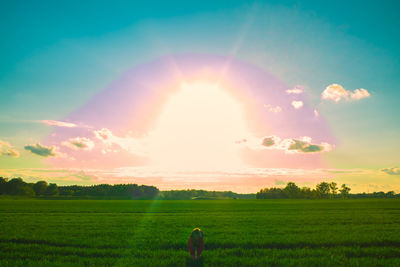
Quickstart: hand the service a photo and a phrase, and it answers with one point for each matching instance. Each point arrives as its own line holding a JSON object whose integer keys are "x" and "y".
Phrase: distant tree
{"x": 150, "y": 191}
{"x": 14, "y": 185}
{"x": 27, "y": 190}
{"x": 333, "y": 187}
{"x": 390, "y": 194}
{"x": 51, "y": 190}
{"x": 40, "y": 187}
{"x": 378, "y": 194}
{"x": 344, "y": 191}
{"x": 292, "y": 190}
{"x": 17, "y": 186}
{"x": 306, "y": 192}
{"x": 273, "y": 193}
{"x": 3, "y": 185}
{"x": 323, "y": 190}
{"x": 314, "y": 194}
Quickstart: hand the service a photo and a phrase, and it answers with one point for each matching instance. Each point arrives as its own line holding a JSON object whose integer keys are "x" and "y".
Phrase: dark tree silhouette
{"x": 323, "y": 190}
{"x": 292, "y": 190}
{"x": 40, "y": 188}
{"x": 18, "y": 187}
{"x": 333, "y": 188}
{"x": 3, "y": 185}
{"x": 344, "y": 191}
{"x": 51, "y": 190}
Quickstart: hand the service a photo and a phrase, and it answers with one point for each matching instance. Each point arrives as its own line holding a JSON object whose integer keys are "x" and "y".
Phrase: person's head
{"x": 196, "y": 235}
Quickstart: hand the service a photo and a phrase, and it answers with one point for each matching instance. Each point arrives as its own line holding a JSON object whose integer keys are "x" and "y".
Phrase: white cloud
{"x": 130, "y": 144}
{"x": 298, "y": 89}
{"x": 59, "y": 123}
{"x": 336, "y": 92}
{"x": 104, "y": 134}
{"x": 272, "y": 109}
{"x": 79, "y": 143}
{"x": 297, "y": 104}
{"x": 359, "y": 93}
{"x": 7, "y": 150}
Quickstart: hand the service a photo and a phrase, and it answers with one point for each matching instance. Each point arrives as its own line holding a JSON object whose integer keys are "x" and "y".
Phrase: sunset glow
{"x": 222, "y": 97}
{"x": 200, "y": 133}
{"x": 197, "y": 130}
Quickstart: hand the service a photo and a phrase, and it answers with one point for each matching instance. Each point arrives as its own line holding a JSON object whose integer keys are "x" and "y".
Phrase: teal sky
{"x": 55, "y": 56}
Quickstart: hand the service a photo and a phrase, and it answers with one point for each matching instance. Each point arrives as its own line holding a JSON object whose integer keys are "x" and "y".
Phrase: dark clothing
{"x": 193, "y": 247}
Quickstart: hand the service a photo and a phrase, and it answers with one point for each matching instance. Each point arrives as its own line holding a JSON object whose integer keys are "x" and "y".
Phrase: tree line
{"x": 17, "y": 187}
{"x": 321, "y": 191}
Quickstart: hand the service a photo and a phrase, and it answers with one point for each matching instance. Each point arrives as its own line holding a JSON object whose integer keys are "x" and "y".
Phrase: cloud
{"x": 298, "y": 89}
{"x": 59, "y": 176}
{"x": 130, "y": 144}
{"x": 289, "y": 145}
{"x": 269, "y": 141}
{"x": 7, "y": 150}
{"x": 297, "y": 104}
{"x": 42, "y": 150}
{"x": 79, "y": 143}
{"x": 59, "y": 123}
{"x": 236, "y": 179}
{"x": 104, "y": 134}
{"x": 343, "y": 170}
{"x": 270, "y": 108}
{"x": 359, "y": 93}
{"x": 336, "y": 92}
{"x": 83, "y": 177}
{"x": 302, "y": 146}
{"x": 392, "y": 171}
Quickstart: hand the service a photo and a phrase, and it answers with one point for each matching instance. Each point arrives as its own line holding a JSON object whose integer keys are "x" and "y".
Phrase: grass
{"x": 237, "y": 232}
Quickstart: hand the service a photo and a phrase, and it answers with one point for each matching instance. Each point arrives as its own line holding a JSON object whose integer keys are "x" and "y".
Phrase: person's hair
{"x": 196, "y": 233}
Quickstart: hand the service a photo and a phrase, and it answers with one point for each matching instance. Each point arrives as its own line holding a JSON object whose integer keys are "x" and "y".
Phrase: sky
{"x": 217, "y": 95}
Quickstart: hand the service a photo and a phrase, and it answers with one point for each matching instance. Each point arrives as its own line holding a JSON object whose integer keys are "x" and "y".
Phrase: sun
{"x": 198, "y": 130}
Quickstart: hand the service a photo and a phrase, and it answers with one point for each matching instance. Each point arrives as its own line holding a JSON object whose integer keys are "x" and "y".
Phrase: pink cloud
{"x": 297, "y": 104}
{"x": 59, "y": 123}
{"x": 79, "y": 143}
{"x": 273, "y": 109}
{"x": 298, "y": 89}
{"x": 104, "y": 134}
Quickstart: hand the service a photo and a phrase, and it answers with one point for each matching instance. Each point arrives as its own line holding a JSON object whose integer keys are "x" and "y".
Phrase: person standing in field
{"x": 196, "y": 243}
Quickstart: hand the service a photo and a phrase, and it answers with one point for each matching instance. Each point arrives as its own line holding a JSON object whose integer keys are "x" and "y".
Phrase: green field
{"x": 237, "y": 232}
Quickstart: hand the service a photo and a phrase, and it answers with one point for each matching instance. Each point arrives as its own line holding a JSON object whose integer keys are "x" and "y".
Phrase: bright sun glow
{"x": 197, "y": 130}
